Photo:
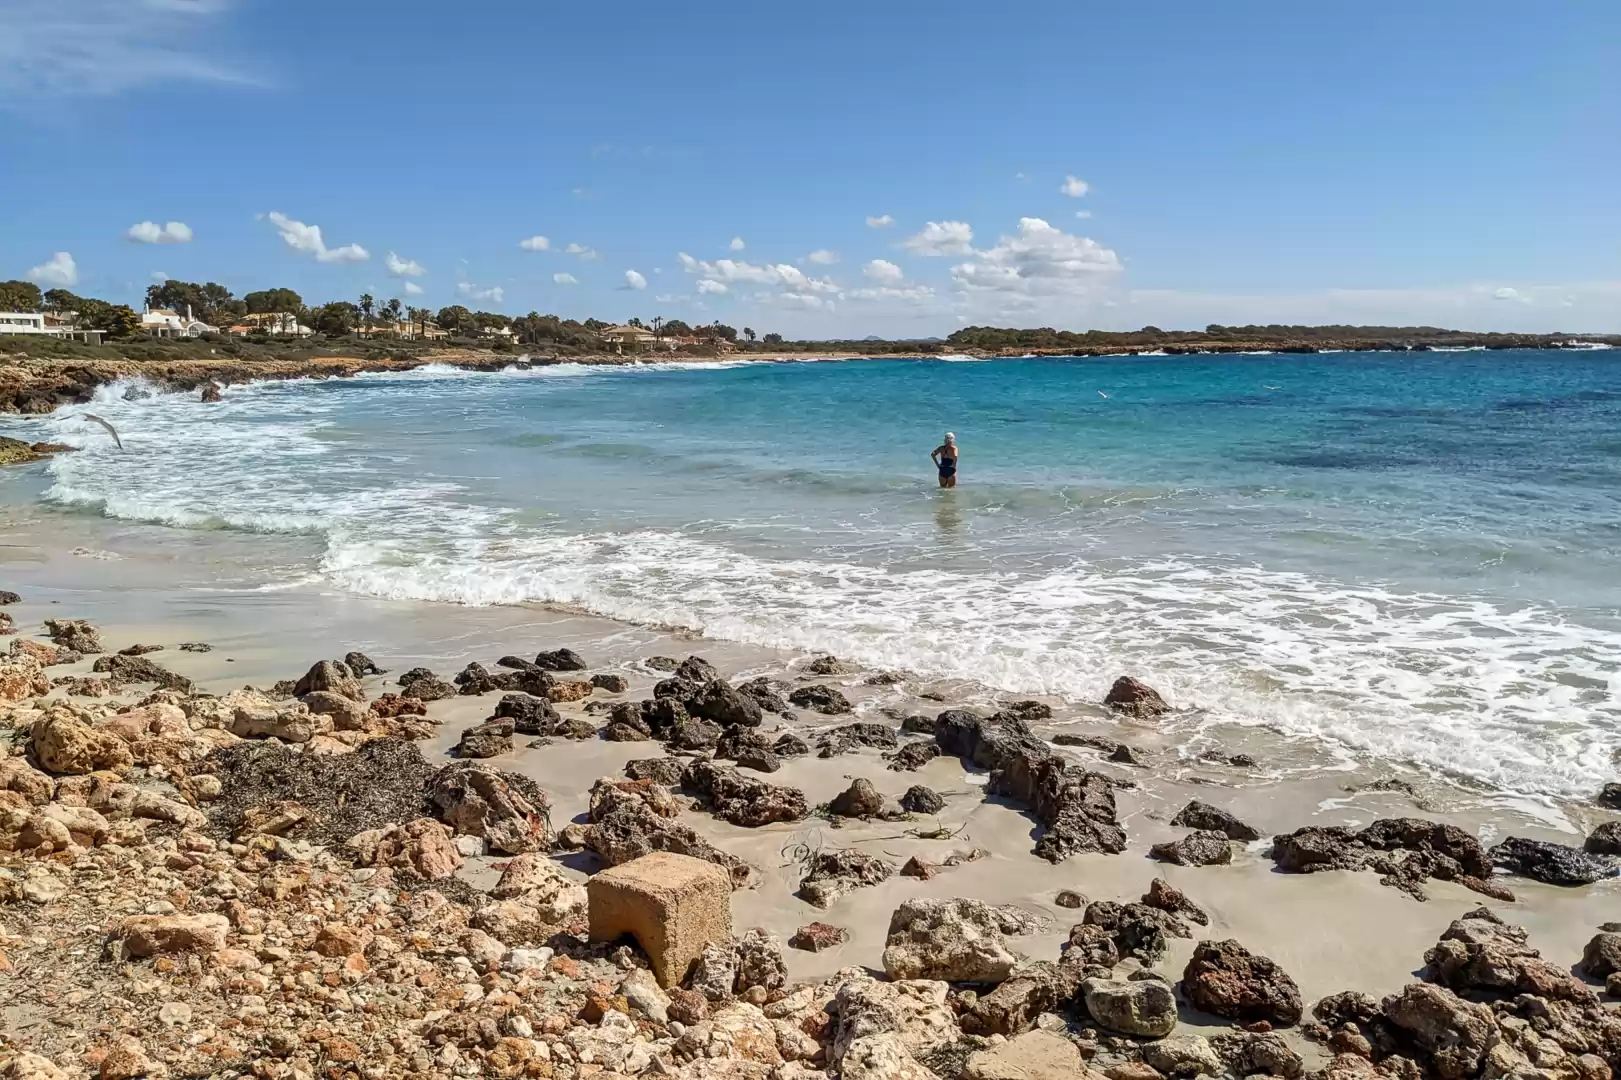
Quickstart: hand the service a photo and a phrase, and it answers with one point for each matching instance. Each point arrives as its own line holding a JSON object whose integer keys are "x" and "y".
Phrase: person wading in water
{"x": 945, "y": 459}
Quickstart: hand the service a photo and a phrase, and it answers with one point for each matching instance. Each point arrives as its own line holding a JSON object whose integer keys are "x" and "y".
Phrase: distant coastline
{"x": 38, "y": 384}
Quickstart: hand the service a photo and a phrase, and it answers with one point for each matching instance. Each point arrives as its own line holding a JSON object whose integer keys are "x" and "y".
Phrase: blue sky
{"x": 1081, "y": 164}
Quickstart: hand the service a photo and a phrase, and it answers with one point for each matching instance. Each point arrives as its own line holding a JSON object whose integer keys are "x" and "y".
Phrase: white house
{"x": 24, "y": 322}
{"x": 164, "y": 323}
{"x": 281, "y": 323}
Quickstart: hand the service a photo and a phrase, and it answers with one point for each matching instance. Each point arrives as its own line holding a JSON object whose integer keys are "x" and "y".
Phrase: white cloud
{"x": 822, "y": 257}
{"x": 588, "y": 254}
{"x": 159, "y": 276}
{"x": 636, "y": 281}
{"x": 711, "y": 287}
{"x": 398, "y": 267}
{"x": 796, "y": 300}
{"x": 1507, "y": 293}
{"x": 729, "y": 271}
{"x": 61, "y": 48}
{"x": 1040, "y": 259}
{"x": 59, "y": 271}
{"x": 494, "y": 293}
{"x": 915, "y": 293}
{"x": 150, "y": 232}
{"x": 737, "y": 243}
{"x": 942, "y": 238}
{"x": 565, "y": 279}
{"x": 307, "y": 238}
{"x": 1083, "y": 213}
{"x": 412, "y": 289}
{"x": 535, "y": 243}
{"x": 882, "y": 221}
{"x": 884, "y": 272}
{"x": 1074, "y": 187}
{"x": 1021, "y": 178}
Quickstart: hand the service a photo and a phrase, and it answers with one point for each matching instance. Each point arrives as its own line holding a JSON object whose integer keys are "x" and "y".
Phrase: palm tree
{"x": 391, "y": 310}
{"x": 367, "y": 305}
{"x": 748, "y": 333}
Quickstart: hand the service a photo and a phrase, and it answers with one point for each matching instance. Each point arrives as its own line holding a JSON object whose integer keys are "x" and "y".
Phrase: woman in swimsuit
{"x": 945, "y": 459}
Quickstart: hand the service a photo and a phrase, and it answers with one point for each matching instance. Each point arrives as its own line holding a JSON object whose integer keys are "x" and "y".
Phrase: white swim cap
{"x": 950, "y": 437}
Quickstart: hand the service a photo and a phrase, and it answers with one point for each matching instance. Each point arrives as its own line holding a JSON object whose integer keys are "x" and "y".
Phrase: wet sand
{"x": 1331, "y": 931}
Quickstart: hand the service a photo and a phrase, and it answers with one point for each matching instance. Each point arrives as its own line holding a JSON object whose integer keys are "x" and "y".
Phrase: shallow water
{"x": 1411, "y": 555}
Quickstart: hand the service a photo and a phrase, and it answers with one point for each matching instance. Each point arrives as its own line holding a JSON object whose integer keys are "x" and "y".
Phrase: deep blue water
{"x": 1413, "y": 555}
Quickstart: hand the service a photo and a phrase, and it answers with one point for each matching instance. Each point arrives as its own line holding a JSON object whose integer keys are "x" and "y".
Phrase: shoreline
{"x": 1333, "y": 931}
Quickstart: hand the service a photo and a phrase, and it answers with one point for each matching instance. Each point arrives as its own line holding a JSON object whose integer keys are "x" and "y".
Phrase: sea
{"x": 1404, "y": 556}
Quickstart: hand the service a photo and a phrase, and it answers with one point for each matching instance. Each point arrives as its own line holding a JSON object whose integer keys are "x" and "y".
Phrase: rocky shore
{"x": 541, "y": 864}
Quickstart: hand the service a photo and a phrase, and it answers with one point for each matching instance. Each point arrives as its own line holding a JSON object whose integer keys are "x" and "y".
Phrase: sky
{"x": 896, "y": 168}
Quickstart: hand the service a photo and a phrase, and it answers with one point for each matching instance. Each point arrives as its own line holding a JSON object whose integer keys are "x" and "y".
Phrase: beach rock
{"x": 75, "y": 634}
{"x": 721, "y": 703}
{"x": 1146, "y": 1008}
{"x": 1480, "y": 952}
{"x": 923, "y": 869}
{"x": 922, "y": 800}
{"x": 1550, "y": 863}
{"x": 818, "y": 937}
{"x": 422, "y": 846}
{"x": 957, "y": 940}
{"x": 476, "y": 800}
{"x": 1137, "y": 929}
{"x": 691, "y": 675}
{"x": 1076, "y": 806}
{"x": 714, "y": 972}
{"x": 151, "y": 935}
{"x": 1602, "y": 956}
{"x": 25, "y": 1066}
{"x": 913, "y": 756}
{"x": 1034, "y": 1055}
{"x": 45, "y": 655}
{"x": 330, "y": 676}
{"x": 475, "y": 680}
{"x": 744, "y": 800}
{"x": 765, "y": 693}
{"x": 1226, "y": 979}
{"x": 1610, "y": 795}
{"x": 917, "y": 724}
{"x": 21, "y": 678}
{"x": 1247, "y": 1053}
{"x": 137, "y": 669}
{"x": 819, "y": 698}
{"x": 540, "y": 883}
{"x": 1455, "y": 1034}
{"x": 832, "y": 873}
{"x": 859, "y": 800}
{"x": 692, "y": 733}
{"x": 1163, "y": 895}
{"x": 7, "y": 598}
{"x": 64, "y": 744}
{"x": 842, "y": 740}
{"x": 1206, "y": 818}
{"x": 530, "y": 715}
{"x": 673, "y": 905}
{"x": 759, "y": 962}
{"x": 1135, "y": 698}
{"x": 912, "y": 1013}
{"x": 486, "y": 740}
{"x": 359, "y": 664}
{"x": 1604, "y": 840}
{"x": 610, "y": 683}
{"x": 662, "y": 770}
{"x": 1069, "y": 898}
{"x": 630, "y": 833}
{"x": 1195, "y": 849}
{"x": 608, "y": 796}
{"x": 21, "y": 779}
{"x": 346, "y": 713}
{"x": 424, "y": 685}
{"x": 1034, "y": 988}
{"x": 561, "y": 660}
{"x": 1182, "y": 1056}
{"x": 1429, "y": 850}
{"x": 789, "y": 745}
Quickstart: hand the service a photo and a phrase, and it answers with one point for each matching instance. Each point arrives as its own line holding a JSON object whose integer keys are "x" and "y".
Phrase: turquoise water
{"x": 1412, "y": 555}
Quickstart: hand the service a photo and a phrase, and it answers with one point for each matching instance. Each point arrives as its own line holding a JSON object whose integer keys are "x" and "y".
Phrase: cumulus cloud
{"x": 636, "y": 281}
{"x": 822, "y": 257}
{"x": 308, "y": 239}
{"x": 588, "y": 254}
{"x": 941, "y": 238}
{"x": 59, "y": 271}
{"x": 565, "y": 279}
{"x": 61, "y": 48}
{"x": 882, "y": 221}
{"x": 883, "y": 271}
{"x": 159, "y": 276}
{"x": 493, "y": 293}
{"x": 799, "y": 301}
{"x": 412, "y": 289}
{"x": 1039, "y": 259}
{"x": 535, "y": 243}
{"x": 398, "y": 267}
{"x": 729, "y": 271}
{"x": 711, "y": 287}
{"x": 150, "y": 232}
{"x": 1074, "y": 187}
{"x": 914, "y": 293}
{"x": 737, "y": 243}
{"x": 1507, "y": 293}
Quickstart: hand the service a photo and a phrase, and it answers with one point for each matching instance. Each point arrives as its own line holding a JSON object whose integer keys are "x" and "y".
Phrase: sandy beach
{"x": 1332, "y": 931}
